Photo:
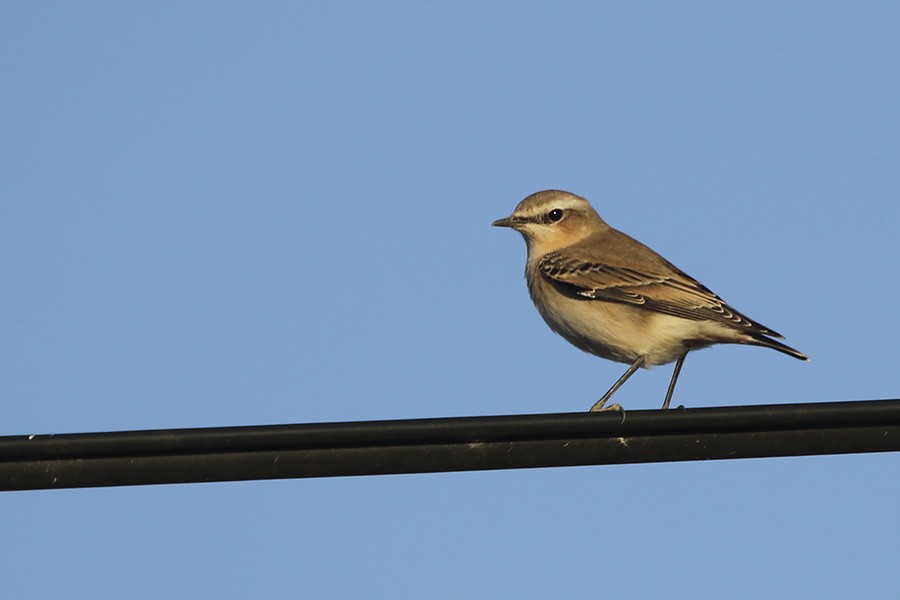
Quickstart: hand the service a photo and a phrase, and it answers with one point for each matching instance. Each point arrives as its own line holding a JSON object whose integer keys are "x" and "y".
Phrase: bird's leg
{"x": 599, "y": 405}
{"x": 674, "y": 379}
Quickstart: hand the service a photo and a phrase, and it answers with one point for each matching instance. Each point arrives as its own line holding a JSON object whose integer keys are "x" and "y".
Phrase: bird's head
{"x": 553, "y": 219}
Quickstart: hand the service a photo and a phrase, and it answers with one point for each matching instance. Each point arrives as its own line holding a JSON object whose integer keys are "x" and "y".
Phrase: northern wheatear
{"x": 612, "y": 296}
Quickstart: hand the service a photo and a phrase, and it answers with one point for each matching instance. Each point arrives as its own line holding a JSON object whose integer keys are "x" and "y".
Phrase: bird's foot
{"x": 600, "y": 407}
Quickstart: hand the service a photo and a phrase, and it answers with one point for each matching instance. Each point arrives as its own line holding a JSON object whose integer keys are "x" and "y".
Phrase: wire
{"x": 447, "y": 444}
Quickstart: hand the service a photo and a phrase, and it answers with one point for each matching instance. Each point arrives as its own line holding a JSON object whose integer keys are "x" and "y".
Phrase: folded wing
{"x": 672, "y": 292}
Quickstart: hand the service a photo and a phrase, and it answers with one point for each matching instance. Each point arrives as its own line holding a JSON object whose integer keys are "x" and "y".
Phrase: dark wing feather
{"x": 674, "y": 293}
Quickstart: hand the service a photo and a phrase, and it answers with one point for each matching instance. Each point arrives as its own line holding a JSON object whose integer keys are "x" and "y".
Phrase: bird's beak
{"x": 504, "y": 222}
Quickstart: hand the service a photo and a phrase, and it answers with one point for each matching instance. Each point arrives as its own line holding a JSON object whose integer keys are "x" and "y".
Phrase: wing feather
{"x": 673, "y": 293}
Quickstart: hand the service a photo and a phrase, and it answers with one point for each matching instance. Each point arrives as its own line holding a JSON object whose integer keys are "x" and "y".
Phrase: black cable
{"x": 449, "y": 444}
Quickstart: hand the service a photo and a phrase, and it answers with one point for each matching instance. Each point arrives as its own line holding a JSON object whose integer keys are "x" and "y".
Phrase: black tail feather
{"x": 761, "y": 340}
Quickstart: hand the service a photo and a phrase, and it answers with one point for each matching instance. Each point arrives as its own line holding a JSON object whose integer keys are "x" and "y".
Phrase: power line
{"x": 447, "y": 444}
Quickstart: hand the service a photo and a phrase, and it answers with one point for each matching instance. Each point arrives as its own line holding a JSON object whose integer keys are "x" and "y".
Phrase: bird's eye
{"x": 555, "y": 215}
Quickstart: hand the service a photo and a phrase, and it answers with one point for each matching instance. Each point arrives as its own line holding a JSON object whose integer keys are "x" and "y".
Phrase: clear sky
{"x": 251, "y": 213}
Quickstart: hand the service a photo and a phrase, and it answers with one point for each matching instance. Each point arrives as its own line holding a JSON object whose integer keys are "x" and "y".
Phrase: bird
{"x": 610, "y": 295}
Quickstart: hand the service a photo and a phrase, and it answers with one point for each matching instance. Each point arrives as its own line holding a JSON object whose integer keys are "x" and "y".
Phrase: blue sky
{"x": 243, "y": 213}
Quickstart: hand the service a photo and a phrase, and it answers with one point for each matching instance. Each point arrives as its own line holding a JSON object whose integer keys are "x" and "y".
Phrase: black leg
{"x": 599, "y": 405}
{"x": 674, "y": 379}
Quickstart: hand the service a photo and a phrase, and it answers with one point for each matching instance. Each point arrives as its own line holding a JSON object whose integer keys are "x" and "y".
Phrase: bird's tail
{"x": 761, "y": 340}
